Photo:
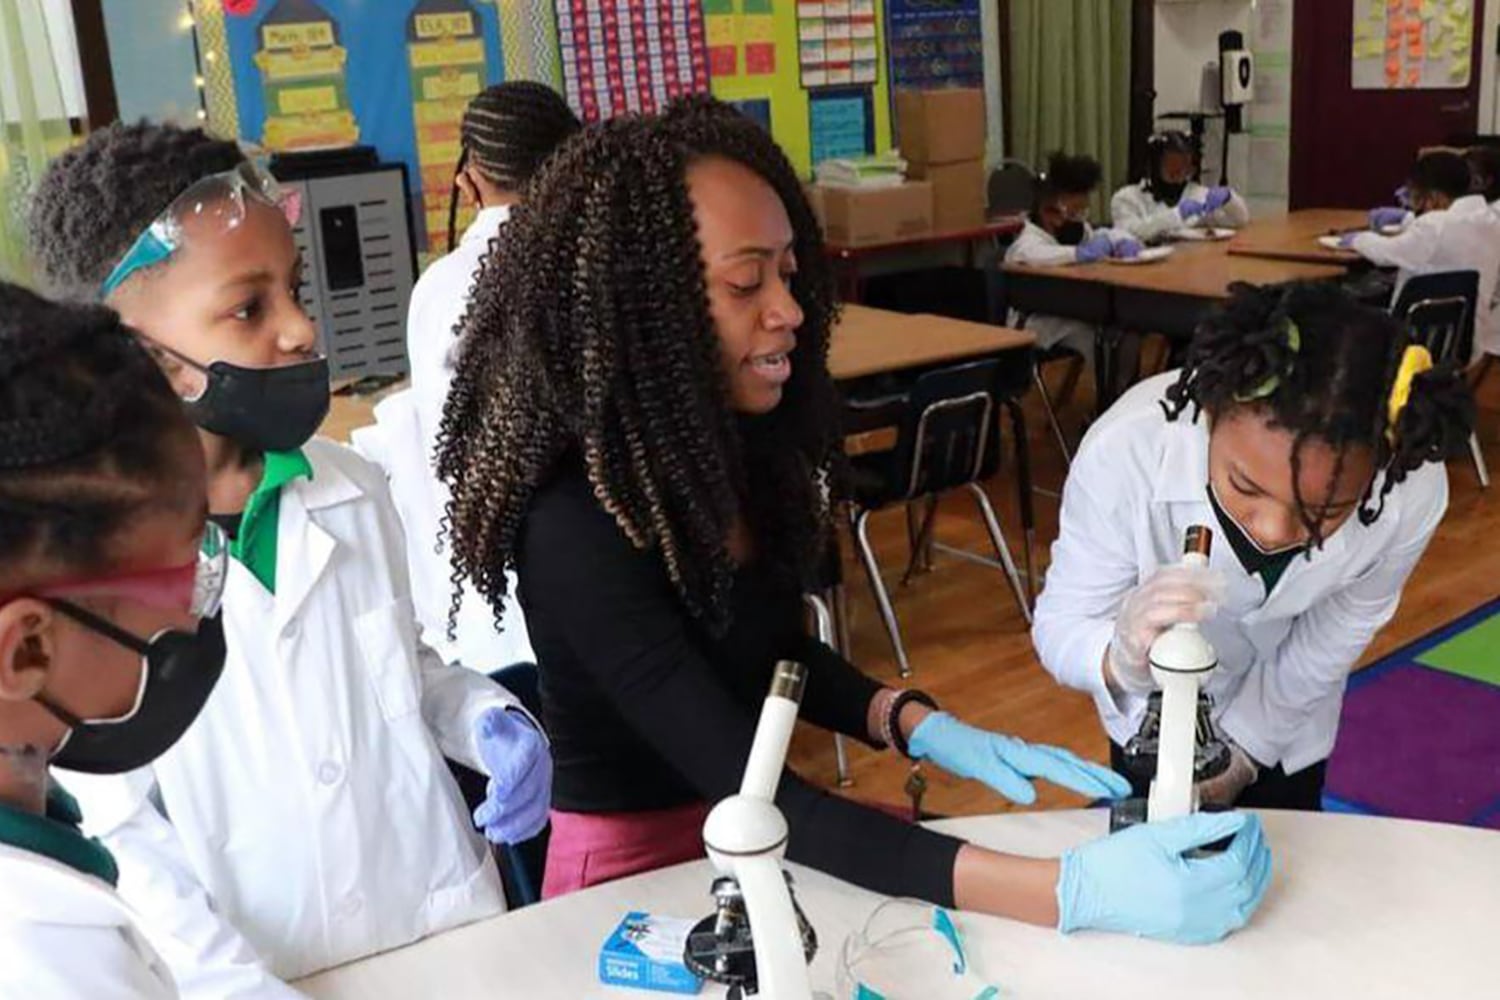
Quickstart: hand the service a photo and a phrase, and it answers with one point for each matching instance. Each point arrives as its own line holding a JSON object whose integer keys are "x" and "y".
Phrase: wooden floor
{"x": 969, "y": 648}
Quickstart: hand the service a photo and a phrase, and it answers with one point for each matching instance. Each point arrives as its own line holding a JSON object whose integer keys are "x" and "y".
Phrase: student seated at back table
{"x": 109, "y": 645}
{"x": 1453, "y": 231}
{"x": 308, "y": 818}
{"x": 1058, "y": 232}
{"x": 1168, "y": 199}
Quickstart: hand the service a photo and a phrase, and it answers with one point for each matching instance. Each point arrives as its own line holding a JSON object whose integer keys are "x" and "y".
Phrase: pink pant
{"x": 589, "y": 848}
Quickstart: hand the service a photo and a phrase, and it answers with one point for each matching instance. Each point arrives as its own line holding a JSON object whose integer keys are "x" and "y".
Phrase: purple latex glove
{"x": 1188, "y": 209}
{"x": 1216, "y": 198}
{"x": 1380, "y": 218}
{"x": 1346, "y": 241}
{"x": 1128, "y": 248}
{"x": 1095, "y": 248}
{"x": 1403, "y": 197}
{"x": 519, "y": 763}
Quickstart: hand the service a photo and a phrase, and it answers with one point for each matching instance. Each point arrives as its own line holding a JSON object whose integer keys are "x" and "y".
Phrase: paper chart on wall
{"x": 1412, "y": 44}
{"x": 630, "y": 55}
{"x": 837, "y": 43}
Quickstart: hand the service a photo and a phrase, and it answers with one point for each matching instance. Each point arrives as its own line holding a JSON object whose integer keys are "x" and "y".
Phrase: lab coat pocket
{"x": 388, "y": 642}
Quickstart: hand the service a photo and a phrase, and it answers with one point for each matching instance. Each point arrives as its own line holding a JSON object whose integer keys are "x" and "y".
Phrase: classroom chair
{"x": 830, "y": 625}
{"x": 1439, "y": 310}
{"x": 947, "y": 439}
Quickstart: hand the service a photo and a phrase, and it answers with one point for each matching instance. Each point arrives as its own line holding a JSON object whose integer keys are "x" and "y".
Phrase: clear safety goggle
{"x": 210, "y": 205}
{"x": 909, "y": 950}
{"x": 195, "y": 588}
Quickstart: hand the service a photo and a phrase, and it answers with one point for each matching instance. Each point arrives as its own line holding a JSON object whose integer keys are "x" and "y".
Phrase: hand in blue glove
{"x": 1189, "y": 209}
{"x": 519, "y": 763}
{"x": 1005, "y": 763}
{"x": 1380, "y": 218}
{"x": 1403, "y": 197}
{"x": 1095, "y": 248}
{"x": 1217, "y": 198}
{"x": 1128, "y": 248}
{"x": 1138, "y": 882}
{"x": 1346, "y": 242}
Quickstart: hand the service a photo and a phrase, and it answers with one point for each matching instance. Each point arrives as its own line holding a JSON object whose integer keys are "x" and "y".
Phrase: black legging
{"x": 1274, "y": 789}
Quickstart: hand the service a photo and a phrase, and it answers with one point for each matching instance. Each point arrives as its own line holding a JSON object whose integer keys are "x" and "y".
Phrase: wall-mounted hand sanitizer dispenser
{"x": 1236, "y": 77}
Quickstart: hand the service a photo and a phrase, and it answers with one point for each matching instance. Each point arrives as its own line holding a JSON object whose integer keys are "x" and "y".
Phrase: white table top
{"x": 1360, "y": 907}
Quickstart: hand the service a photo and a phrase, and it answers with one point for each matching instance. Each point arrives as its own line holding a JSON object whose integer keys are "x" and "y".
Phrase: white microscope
{"x": 746, "y": 837}
{"x": 1177, "y": 745}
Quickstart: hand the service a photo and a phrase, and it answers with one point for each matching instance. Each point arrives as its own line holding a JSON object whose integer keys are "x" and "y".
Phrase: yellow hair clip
{"x": 1414, "y": 361}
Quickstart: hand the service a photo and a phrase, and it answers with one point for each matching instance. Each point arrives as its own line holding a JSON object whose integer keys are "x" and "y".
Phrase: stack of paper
{"x": 886, "y": 170}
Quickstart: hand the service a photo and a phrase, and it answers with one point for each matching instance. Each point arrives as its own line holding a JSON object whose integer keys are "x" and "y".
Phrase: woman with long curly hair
{"x": 643, "y": 425}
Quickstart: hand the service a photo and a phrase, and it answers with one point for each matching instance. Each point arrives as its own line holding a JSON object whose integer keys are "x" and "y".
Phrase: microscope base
{"x": 1126, "y": 813}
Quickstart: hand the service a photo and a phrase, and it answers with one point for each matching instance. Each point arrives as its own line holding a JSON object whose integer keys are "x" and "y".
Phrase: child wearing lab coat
{"x": 103, "y": 662}
{"x": 1453, "y": 230}
{"x": 1058, "y": 232}
{"x": 309, "y": 817}
{"x": 508, "y": 131}
{"x": 1308, "y": 434}
{"x": 1168, "y": 199}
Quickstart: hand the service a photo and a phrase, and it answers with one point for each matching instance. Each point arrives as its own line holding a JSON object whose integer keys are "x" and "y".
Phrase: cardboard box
{"x": 859, "y": 217}
{"x": 940, "y": 126}
{"x": 958, "y": 195}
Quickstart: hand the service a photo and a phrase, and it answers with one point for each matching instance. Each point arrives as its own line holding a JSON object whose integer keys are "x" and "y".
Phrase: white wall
{"x": 1489, "y": 96}
{"x": 51, "y": 46}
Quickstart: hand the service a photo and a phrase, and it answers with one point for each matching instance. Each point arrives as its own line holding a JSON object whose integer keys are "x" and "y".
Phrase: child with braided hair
{"x": 109, "y": 584}
{"x": 310, "y": 818}
{"x": 1311, "y": 432}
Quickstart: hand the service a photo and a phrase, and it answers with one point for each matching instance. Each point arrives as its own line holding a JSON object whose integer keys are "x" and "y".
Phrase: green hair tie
{"x": 1271, "y": 384}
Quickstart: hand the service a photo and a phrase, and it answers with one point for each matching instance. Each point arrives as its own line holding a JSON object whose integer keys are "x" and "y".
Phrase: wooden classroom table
{"x": 846, "y": 259}
{"x": 1294, "y": 236}
{"x": 875, "y": 341}
{"x": 1359, "y": 907}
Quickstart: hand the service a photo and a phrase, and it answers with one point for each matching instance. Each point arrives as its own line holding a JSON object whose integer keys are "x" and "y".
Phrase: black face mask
{"x": 1255, "y": 559}
{"x": 1168, "y": 194}
{"x": 179, "y": 669}
{"x": 1070, "y": 233}
{"x": 263, "y": 409}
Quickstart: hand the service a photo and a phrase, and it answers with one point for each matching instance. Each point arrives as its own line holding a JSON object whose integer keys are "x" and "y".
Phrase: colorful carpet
{"x": 1420, "y": 734}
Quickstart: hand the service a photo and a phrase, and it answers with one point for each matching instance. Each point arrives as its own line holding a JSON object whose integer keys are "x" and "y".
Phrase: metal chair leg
{"x": 1479, "y": 463}
{"x": 921, "y": 542}
{"x": 1057, "y": 431}
{"x": 861, "y": 524}
{"x": 823, "y": 616}
{"x": 997, "y": 539}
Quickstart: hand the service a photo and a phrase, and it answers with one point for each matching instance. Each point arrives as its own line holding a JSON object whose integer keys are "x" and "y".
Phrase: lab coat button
{"x": 329, "y": 772}
{"x": 291, "y": 631}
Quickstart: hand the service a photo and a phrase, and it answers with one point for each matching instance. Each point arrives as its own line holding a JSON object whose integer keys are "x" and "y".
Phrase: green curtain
{"x": 33, "y": 123}
{"x": 1069, "y": 76}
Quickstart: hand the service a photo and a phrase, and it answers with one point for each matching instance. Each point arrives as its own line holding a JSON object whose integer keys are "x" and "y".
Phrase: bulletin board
{"x": 936, "y": 43}
{"x": 307, "y": 74}
{"x": 1412, "y": 44}
{"x": 756, "y": 55}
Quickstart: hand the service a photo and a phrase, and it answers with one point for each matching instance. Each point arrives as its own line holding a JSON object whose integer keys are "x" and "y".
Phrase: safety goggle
{"x": 211, "y": 205}
{"x": 195, "y": 588}
{"x": 908, "y": 949}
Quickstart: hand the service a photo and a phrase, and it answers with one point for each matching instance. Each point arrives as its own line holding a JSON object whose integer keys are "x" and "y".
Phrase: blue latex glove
{"x": 1217, "y": 198}
{"x": 1188, "y": 209}
{"x": 519, "y": 763}
{"x": 1347, "y": 240}
{"x": 1389, "y": 216}
{"x": 1095, "y": 248}
{"x": 1128, "y": 248}
{"x": 1005, "y": 763}
{"x": 1138, "y": 882}
{"x": 1403, "y": 197}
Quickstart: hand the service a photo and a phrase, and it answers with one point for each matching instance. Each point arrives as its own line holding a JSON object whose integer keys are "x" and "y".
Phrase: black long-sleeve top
{"x": 647, "y": 710}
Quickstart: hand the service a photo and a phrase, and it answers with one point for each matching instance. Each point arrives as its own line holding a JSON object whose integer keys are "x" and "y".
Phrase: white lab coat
{"x": 1463, "y": 237}
{"x": 1136, "y": 484}
{"x": 65, "y": 935}
{"x": 1037, "y": 246}
{"x": 1135, "y": 209}
{"x": 307, "y": 817}
{"x": 403, "y": 442}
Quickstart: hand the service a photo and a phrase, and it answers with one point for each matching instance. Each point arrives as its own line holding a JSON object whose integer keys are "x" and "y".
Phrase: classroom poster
{"x": 1412, "y": 44}
{"x": 837, "y": 43}
{"x": 840, "y": 124}
{"x": 935, "y": 43}
{"x": 315, "y": 73}
{"x": 630, "y": 55}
